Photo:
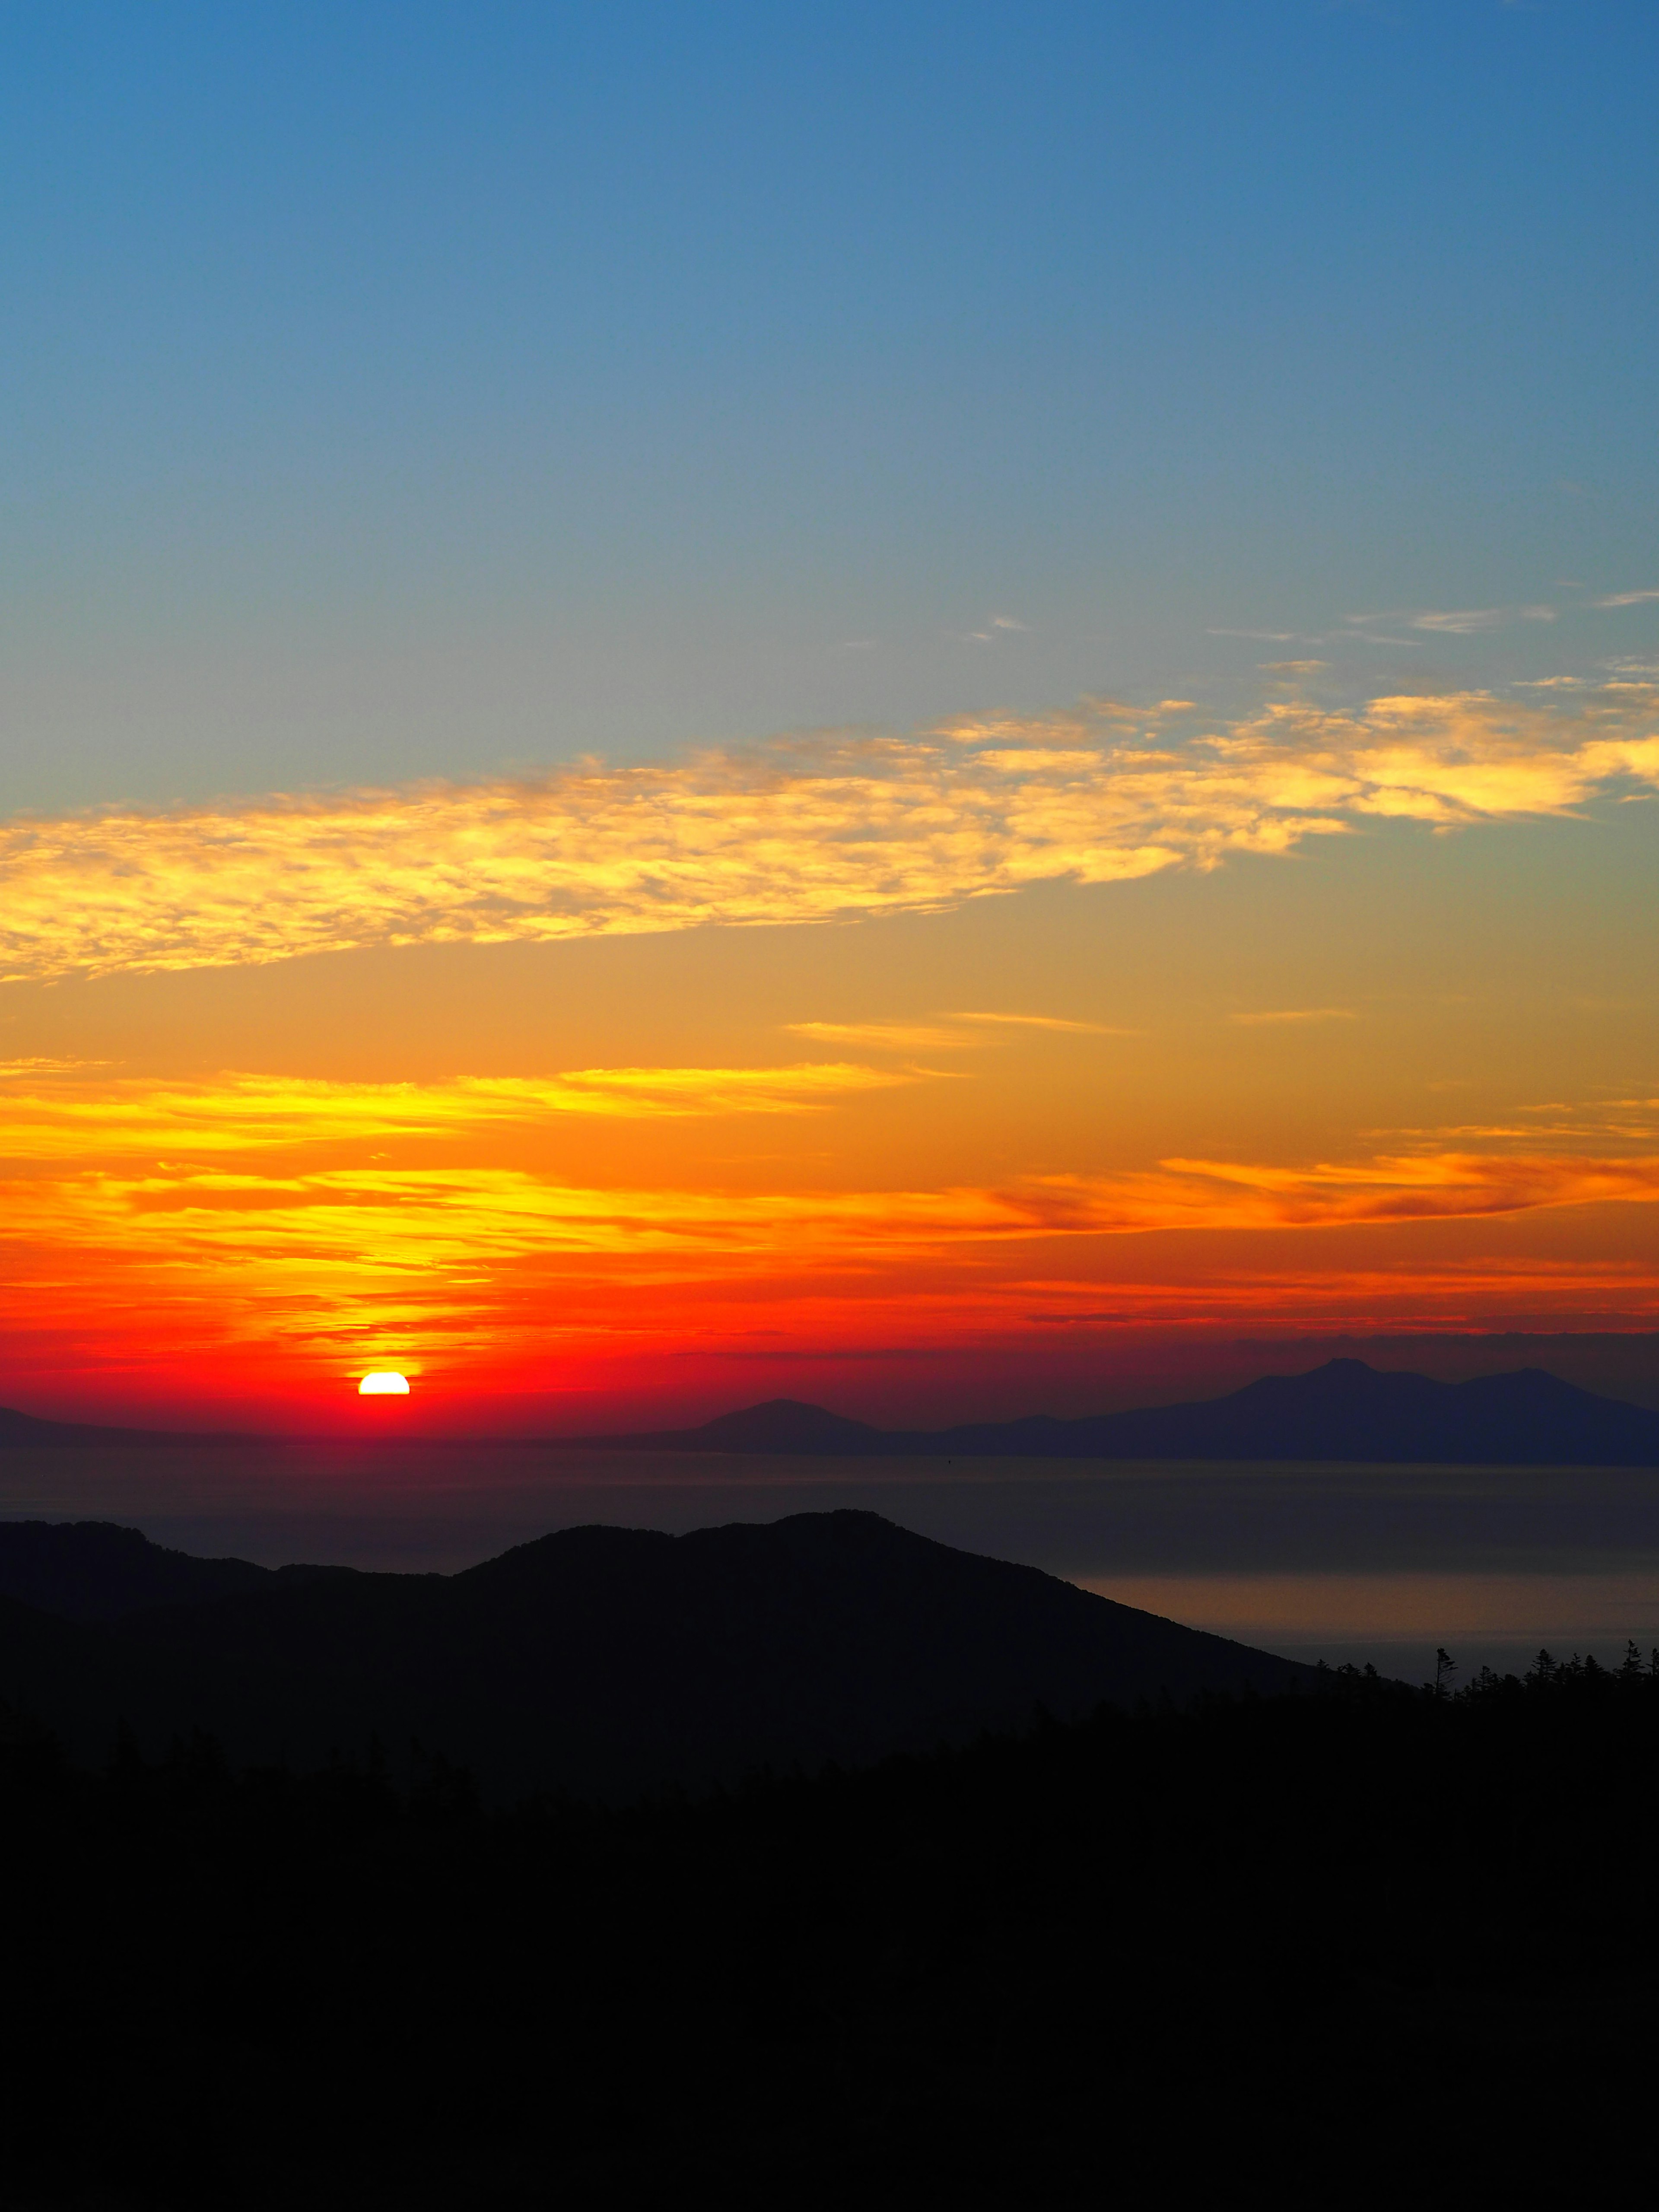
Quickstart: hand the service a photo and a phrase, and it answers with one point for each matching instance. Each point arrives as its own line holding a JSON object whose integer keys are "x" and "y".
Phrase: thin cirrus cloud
{"x": 399, "y": 1216}
{"x": 917, "y": 1036}
{"x": 1294, "y": 1014}
{"x": 477, "y": 1261}
{"x": 883, "y": 1037}
{"x": 251, "y": 1114}
{"x": 1625, "y": 599}
{"x": 1455, "y": 622}
{"x": 1045, "y": 1022}
{"x": 803, "y": 830}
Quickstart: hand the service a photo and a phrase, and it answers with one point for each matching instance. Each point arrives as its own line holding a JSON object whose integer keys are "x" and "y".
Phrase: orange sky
{"x": 927, "y": 1077}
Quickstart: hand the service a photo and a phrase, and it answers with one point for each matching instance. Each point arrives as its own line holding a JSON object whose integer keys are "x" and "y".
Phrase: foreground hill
{"x": 1344, "y": 1410}
{"x": 598, "y": 1661}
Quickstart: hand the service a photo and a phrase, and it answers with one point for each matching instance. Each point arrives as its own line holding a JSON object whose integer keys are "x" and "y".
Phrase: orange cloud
{"x": 196, "y": 1215}
{"x": 250, "y": 1113}
{"x": 799, "y": 831}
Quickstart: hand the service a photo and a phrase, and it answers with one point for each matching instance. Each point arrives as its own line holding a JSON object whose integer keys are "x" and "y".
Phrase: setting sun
{"x": 383, "y": 1383}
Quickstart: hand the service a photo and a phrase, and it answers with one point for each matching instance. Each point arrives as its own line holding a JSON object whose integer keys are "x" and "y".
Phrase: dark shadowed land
{"x": 1344, "y": 1410}
{"x": 1366, "y": 1945}
{"x": 600, "y": 1660}
{"x": 342, "y": 1891}
{"x": 1344, "y": 1558}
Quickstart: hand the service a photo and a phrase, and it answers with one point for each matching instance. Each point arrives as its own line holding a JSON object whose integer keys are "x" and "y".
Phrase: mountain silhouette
{"x": 598, "y": 1661}
{"x": 780, "y": 1425}
{"x": 1344, "y": 1410}
{"x": 97, "y": 1570}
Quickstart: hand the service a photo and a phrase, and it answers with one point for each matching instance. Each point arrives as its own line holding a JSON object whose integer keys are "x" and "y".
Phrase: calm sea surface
{"x": 1332, "y": 1561}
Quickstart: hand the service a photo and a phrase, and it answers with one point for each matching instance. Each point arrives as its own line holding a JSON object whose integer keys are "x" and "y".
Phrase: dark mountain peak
{"x": 1343, "y": 1410}
{"x": 1531, "y": 1385}
{"x": 784, "y": 1424}
{"x": 100, "y": 1571}
{"x": 1334, "y": 1378}
{"x": 611, "y": 1660}
{"x": 591, "y": 1546}
{"x": 11, "y": 1419}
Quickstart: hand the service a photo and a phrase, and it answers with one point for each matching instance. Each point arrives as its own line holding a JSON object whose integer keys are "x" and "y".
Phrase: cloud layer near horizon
{"x": 177, "y": 1226}
{"x": 805, "y": 829}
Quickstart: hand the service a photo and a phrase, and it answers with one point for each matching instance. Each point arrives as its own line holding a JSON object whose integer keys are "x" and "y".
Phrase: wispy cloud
{"x": 1295, "y": 1014}
{"x": 488, "y": 1207}
{"x": 1625, "y": 599}
{"x": 1268, "y": 636}
{"x": 251, "y": 1114}
{"x": 802, "y": 830}
{"x": 998, "y": 625}
{"x": 463, "y": 1261}
{"x": 1456, "y": 622}
{"x": 917, "y": 1037}
{"x": 890, "y": 1036}
{"x": 1046, "y": 1022}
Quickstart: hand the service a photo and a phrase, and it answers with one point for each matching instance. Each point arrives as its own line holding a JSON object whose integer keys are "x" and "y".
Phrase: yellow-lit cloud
{"x": 800, "y": 831}
{"x": 240, "y": 1239}
{"x": 1044, "y": 1022}
{"x": 254, "y": 1113}
{"x": 886, "y": 1036}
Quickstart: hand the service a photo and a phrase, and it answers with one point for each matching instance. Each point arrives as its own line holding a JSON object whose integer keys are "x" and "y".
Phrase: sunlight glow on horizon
{"x": 384, "y": 1382}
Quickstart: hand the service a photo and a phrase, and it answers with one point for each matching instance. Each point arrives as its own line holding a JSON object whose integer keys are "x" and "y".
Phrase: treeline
{"x": 1372, "y": 1944}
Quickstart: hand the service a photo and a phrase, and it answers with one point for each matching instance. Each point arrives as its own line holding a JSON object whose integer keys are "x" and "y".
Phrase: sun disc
{"x": 383, "y": 1383}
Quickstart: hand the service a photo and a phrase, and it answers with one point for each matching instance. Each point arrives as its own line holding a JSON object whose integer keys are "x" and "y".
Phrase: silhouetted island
{"x": 1344, "y": 1410}
{"x": 598, "y": 1661}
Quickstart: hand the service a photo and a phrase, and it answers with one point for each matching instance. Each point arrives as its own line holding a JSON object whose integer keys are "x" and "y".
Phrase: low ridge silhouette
{"x": 1344, "y": 1410}
{"x": 598, "y": 1661}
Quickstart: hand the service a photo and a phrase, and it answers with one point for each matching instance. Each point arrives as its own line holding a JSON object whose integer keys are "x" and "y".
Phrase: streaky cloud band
{"x": 805, "y": 829}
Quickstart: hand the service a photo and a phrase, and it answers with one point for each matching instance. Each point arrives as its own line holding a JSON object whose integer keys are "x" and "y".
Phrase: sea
{"x": 1361, "y": 1564}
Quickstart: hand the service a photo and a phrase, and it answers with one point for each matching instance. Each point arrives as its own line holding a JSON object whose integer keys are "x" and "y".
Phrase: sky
{"x": 954, "y": 710}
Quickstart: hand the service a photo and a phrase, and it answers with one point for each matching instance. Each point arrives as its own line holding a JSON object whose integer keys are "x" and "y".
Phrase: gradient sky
{"x": 935, "y": 708}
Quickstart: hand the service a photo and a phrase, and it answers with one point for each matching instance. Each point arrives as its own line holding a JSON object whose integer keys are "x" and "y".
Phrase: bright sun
{"x": 383, "y": 1384}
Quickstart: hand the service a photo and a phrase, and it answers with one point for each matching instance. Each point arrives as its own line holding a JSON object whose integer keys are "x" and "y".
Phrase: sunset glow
{"x": 383, "y": 1383}
{"x": 947, "y": 758}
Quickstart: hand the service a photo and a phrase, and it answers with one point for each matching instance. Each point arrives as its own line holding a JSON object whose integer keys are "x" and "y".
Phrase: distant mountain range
{"x": 598, "y": 1661}
{"x": 1344, "y": 1410}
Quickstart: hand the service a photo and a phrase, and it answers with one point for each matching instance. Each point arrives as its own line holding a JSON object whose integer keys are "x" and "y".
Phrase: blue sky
{"x": 399, "y": 391}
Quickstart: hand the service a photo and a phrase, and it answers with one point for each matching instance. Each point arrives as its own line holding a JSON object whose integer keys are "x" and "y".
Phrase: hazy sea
{"x": 1332, "y": 1561}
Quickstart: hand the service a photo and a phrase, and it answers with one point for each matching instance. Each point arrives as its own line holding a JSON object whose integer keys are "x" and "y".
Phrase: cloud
{"x": 469, "y": 1261}
{"x": 913, "y": 1036}
{"x": 45, "y": 1064}
{"x": 1457, "y": 622}
{"x": 1269, "y": 637}
{"x": 804, "y": 829}
{"x": 253, "y": 1114}
{"x": 1625, "y": 599}
{"x": 1295, "y": 1014}
{"x": 889, "y": 1036}
{"x": 1046, "y": 1022}
{"x": 1464, "y": 621}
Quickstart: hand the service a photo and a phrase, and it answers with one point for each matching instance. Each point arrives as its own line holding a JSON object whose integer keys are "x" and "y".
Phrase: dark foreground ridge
{"x": 1344, "y": 1410}
{"x": 1367, "y": 1947}
{"x": 596, "y": 1662}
